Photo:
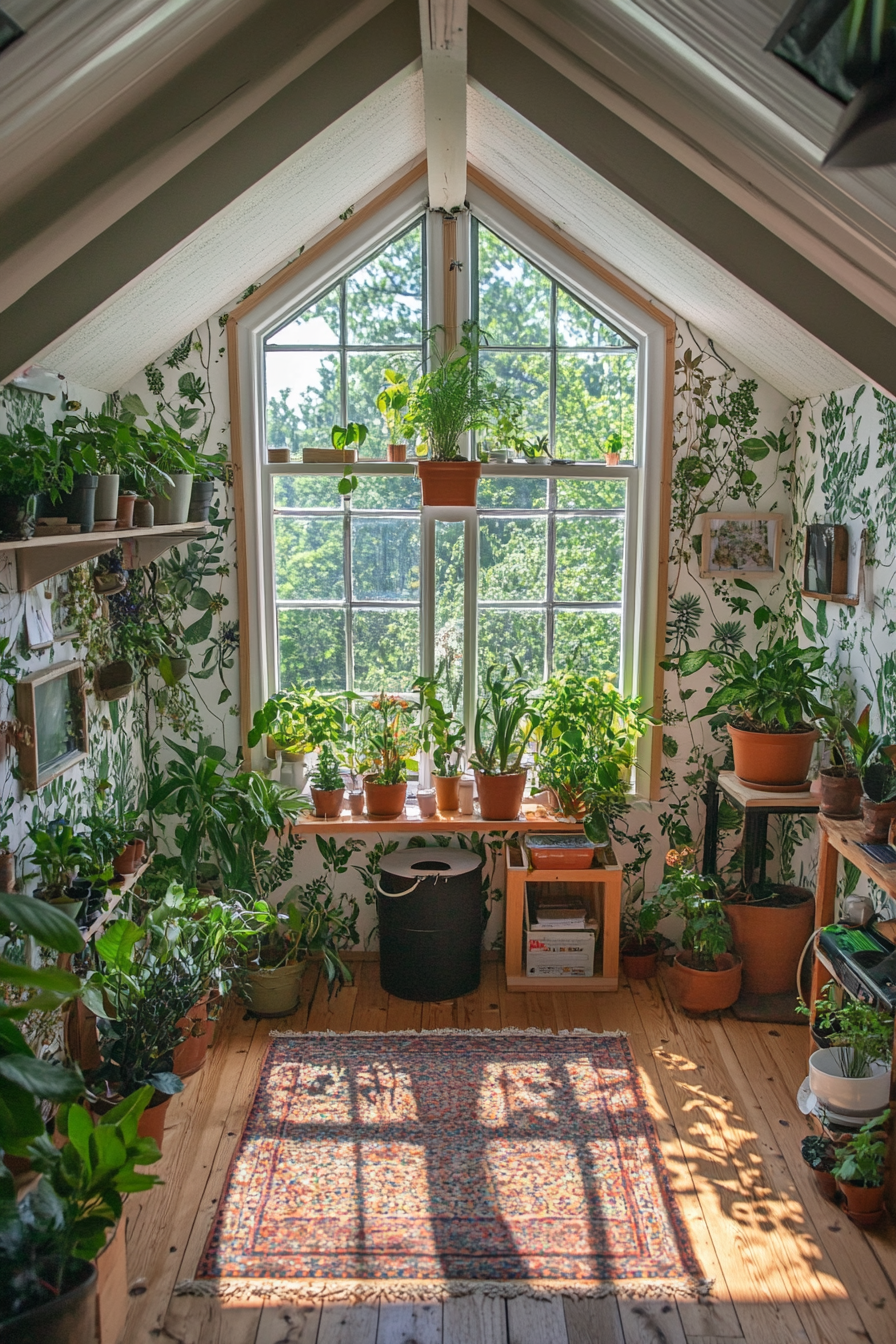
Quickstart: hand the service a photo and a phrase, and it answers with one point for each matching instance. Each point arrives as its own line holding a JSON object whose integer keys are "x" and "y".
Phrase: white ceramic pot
{"x": 172, "y": 503}
{"x": 105, "y": 504}
{"x": 859, "y": 1097}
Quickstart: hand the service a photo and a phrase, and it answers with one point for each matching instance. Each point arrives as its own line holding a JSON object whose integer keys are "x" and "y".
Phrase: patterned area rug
{"x": 448, "y": 1162}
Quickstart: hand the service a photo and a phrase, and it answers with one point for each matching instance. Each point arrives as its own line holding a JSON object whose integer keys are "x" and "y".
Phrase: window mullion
{"x": 347, "y": 581}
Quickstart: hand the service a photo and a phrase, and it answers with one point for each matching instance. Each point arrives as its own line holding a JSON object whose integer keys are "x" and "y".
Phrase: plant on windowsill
{"x": 295, "y": 722}
{"x": 327, "y": 785}
{"x": 705, "y": 975}
{"x": 859, "y": 1171}
{"x": 443, "y": 735}
{"x": 612, "y": 449}
{"x": 768, "y": 701}
{"x": 392, "y": 403}
{"x": 506, "y": 719}
{"x": 389, "y": 732}
{"x": 586, "y": 748}
{"x": 348, "y": 440}
{"x": 453, "y": 397}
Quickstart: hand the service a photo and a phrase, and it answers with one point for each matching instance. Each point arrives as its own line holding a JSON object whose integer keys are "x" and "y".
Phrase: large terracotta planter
{"x": 450, "y": 483}
{"x": 274, "y": 992}
{"x": 705, "y": 991}
{"x": 500, "y": 796}
{"x": 841, "y": 795}
{"x": 385, "y": 802}
{"x": 639, "y": 960}
{"x": 68, "y": 1319}
{"x": 447, "y": 789}
{"x": 327, "y": 802}
{"x": 770, "y": 940}
{"x": 772, "y": 758}
{"x": 864, "y": 1203}
{"x": 189, "y": 1056}
{"x": 877, "y": 818}
{"x": 7, "y": 870}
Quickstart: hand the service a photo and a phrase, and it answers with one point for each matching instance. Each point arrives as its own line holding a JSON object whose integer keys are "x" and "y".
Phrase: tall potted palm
{"x": 454, "y": 397}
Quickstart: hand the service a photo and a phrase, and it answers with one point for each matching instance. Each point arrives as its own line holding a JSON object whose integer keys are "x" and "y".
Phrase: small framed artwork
{"x": 740, "y": 545}
{"x": 52, "y": 710}
{"x": 832, "y": 563}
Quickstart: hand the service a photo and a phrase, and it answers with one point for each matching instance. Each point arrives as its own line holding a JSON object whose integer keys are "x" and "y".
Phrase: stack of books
{"x": 557, "y": 912}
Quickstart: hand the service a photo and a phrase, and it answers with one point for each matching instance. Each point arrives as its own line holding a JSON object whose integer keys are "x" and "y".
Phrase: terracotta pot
{"x": 500, "y": 796}
{"x": 770, "y": 940}
{"x": 447, "y": 789}
{"x": 612, "y": 459}
{"x": 151, "y": 1124}
{"x": 69, "y": 1318}
{"x": 826, "y": 1182}
{"x": 7, "y": 871}
{"x": 705, "y": 991}
{"x": 81, "y": 1039}
{"x": 450, "y": 483}
{"x": 640, "y": 962}
{"x": 396, "y": 452}
{"x": 385, "y": 802}
{"x": 125, "y": 513}
{"x": 356, "y": 800}
{"x": 772, "y": 758}
{"x": 189, "y": 1056}
{"x": 125, "y": 863}
{"x": 841, "y": 795}
{"x": 864, "y": 1203}
{"x": 327, "y": 802}
{"x": 276, "y": 992}
{"x": 877, "y": 818}
{"x": 139, "y": 851}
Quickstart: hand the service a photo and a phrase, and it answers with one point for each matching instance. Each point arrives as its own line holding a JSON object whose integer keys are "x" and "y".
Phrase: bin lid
{"x": 429, "y": 861}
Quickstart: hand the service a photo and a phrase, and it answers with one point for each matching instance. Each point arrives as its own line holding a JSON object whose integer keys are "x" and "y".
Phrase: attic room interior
{"x": 447, "y": 671}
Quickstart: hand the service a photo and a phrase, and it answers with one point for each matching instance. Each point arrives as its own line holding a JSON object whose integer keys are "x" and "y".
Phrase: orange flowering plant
{"x": 389, "y": 728}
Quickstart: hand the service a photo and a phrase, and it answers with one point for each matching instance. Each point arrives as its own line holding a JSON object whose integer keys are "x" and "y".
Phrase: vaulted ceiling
{"x": 157, "y": 156}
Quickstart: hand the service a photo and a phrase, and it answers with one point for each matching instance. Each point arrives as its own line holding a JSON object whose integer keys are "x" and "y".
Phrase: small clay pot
{"x": 7, "y": 870}
{"x": 877, "y": 818}
{"x": 125, "y": 515}
{"x": 189, "y": 1056}
{"x": 125, "y": 863}
{"x": 385, "y": 802}
{"x": 826, "y": 1182}
{"x": 396, "y": 452}
{"x": 144, "y": 513}
{"x": 447, "y": 789}
{"x": 639, "y": 960}
{"x": 356, "y": 802}
{"x": 612, "y": 459}
{"x": 500, "y": 796}
{"x": 327, "y": 802}
{"x": 841, "y": 795}
{"x": 864, "y": 1203}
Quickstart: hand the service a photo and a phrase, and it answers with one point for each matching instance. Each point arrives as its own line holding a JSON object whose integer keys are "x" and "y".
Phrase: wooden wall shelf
{"x": 38, "y": 559}
{"x": 411, "y": 823}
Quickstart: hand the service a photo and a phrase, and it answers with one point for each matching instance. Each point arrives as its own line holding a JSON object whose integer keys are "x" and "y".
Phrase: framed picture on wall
{"x": 740, "y": 545}
{"x": 52, "y": 711}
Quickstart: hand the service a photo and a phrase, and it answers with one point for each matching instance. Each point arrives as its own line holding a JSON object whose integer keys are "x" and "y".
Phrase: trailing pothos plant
{"x": 299, "y": 719}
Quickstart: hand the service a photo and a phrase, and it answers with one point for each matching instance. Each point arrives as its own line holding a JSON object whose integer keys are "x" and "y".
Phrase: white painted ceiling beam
{"x": 443, "y": 37}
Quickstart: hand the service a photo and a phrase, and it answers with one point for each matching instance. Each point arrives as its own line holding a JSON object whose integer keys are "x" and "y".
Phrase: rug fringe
{"x": 295, "y": 1291}
{"x": 456, "y": 1031}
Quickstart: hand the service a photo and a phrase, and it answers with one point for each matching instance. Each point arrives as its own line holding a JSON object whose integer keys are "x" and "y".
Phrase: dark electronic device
{"x": 864, "y": 963}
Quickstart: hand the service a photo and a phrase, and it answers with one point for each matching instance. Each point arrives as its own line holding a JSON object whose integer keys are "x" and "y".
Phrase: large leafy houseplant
{"x": 299, "y": 719}
{"x": 587, "y": 743}
{"x": 769, "y": 702}
{"x": 35, "y": 462}
{"x": 49, "y": 1238}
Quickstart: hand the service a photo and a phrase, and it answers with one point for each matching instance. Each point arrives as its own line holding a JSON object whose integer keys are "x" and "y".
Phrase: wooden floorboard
{"x": 787, "y": 1266}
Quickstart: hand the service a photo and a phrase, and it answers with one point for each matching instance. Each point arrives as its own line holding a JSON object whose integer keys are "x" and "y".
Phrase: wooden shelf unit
{"x": 38, "y": 559}
{"x": 410, "y": 822}
{"x": 600, "y": 882}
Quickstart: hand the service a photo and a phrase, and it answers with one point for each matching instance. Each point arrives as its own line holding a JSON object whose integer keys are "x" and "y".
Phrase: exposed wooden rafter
{"x": 443, "y": 37}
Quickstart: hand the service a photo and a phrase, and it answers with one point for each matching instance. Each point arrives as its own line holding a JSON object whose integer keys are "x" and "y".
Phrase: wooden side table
{"x": 757, "y": 806}
{"x": 601, "y": 883}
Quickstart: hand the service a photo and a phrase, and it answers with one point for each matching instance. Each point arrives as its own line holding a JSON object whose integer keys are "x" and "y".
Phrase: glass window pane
{"x": 306, "y": 492}
{"x": 385, "y": 559}
{"x": 587, "y": 641}
{"x": 385, "y": 648}
{"x": 588, "y": 560}
{"x": 308, "y": 559}
{"x": 514, "y": 297}
{"x": 316, "y": 325}
{"x": 528, "y": 376}
{"x": 449, "y": 627}
{"x": 513, "y": 492}
{"x": 303, "y": 399}
{"x": 384, "y": 298}
{"x": 312, "y": 647}
{"x": 577, "y": 325}
{"x": 503, "y": 632}
{"x": 365, "y": 381}
{"x": 582, "y": 494}
{"x": 595, "y": 398}
{"x": 386, "y": 492}
{"x": 513, "y": 559}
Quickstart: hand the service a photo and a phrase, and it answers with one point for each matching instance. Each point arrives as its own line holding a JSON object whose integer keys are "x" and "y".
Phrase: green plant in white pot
{"x": 851, "y": 1077}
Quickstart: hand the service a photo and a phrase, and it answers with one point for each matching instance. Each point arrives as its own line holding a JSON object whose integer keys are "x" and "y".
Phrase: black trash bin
{"x": 431, "y": 921}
